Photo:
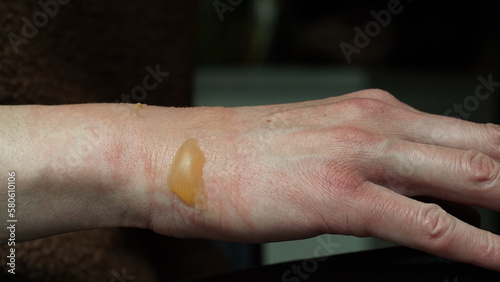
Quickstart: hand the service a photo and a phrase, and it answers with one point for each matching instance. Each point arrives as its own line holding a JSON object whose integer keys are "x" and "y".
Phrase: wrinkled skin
{"x": 344, "y": 165}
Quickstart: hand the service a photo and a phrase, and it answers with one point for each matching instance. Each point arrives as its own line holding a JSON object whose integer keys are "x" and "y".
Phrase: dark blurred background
{"x": 441, "y": 36}
{"x": 425, "y": 52}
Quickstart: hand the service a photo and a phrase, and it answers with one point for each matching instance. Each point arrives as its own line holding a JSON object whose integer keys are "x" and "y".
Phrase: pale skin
{"x": 343, "y": 165}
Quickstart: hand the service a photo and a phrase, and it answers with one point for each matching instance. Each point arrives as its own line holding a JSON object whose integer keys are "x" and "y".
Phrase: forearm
{"x": 72, "y": 170}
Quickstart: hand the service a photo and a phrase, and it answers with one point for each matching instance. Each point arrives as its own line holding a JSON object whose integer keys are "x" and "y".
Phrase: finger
{"x": 453, "y": 133}
{"x": 397, "y": 119}
{"x": 417, "y": 126}
{"x": 427, "y": 227}
{"x": 467, "y": 214}
{"x": 468, "y": 177}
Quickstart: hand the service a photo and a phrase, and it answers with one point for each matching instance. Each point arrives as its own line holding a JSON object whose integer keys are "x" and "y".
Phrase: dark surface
{"x": 392, "y": 264}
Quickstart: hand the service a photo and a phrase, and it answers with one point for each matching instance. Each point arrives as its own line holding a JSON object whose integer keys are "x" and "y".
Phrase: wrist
{"x": 159, "y": 133}
{"x": 220, "y": 134}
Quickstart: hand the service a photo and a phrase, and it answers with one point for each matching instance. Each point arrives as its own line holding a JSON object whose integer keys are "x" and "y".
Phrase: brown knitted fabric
{"x": 95, "y": 51}
{"x": 95, "y": 255}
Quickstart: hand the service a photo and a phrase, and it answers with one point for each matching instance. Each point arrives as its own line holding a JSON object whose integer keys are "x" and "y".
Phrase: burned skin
{"x": 185, "y": 178}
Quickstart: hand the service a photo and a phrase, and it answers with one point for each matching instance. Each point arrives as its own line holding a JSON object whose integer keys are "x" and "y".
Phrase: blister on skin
{"x": 185, "y": 178}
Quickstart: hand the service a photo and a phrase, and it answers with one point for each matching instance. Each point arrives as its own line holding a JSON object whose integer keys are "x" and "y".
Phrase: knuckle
{"x": 481, "y": 171}
{"x": 362, "y": 106}
{"x": 373, "y": 93}
{"x": 436, "y": 225}
{"x": 380, "y": 94}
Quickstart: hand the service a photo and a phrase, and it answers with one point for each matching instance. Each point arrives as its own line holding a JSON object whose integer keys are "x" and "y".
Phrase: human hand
{"x": 343, "y": 165}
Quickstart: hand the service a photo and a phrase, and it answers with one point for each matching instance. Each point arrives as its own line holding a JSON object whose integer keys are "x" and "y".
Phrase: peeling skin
{"x": 185, "y": 178}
